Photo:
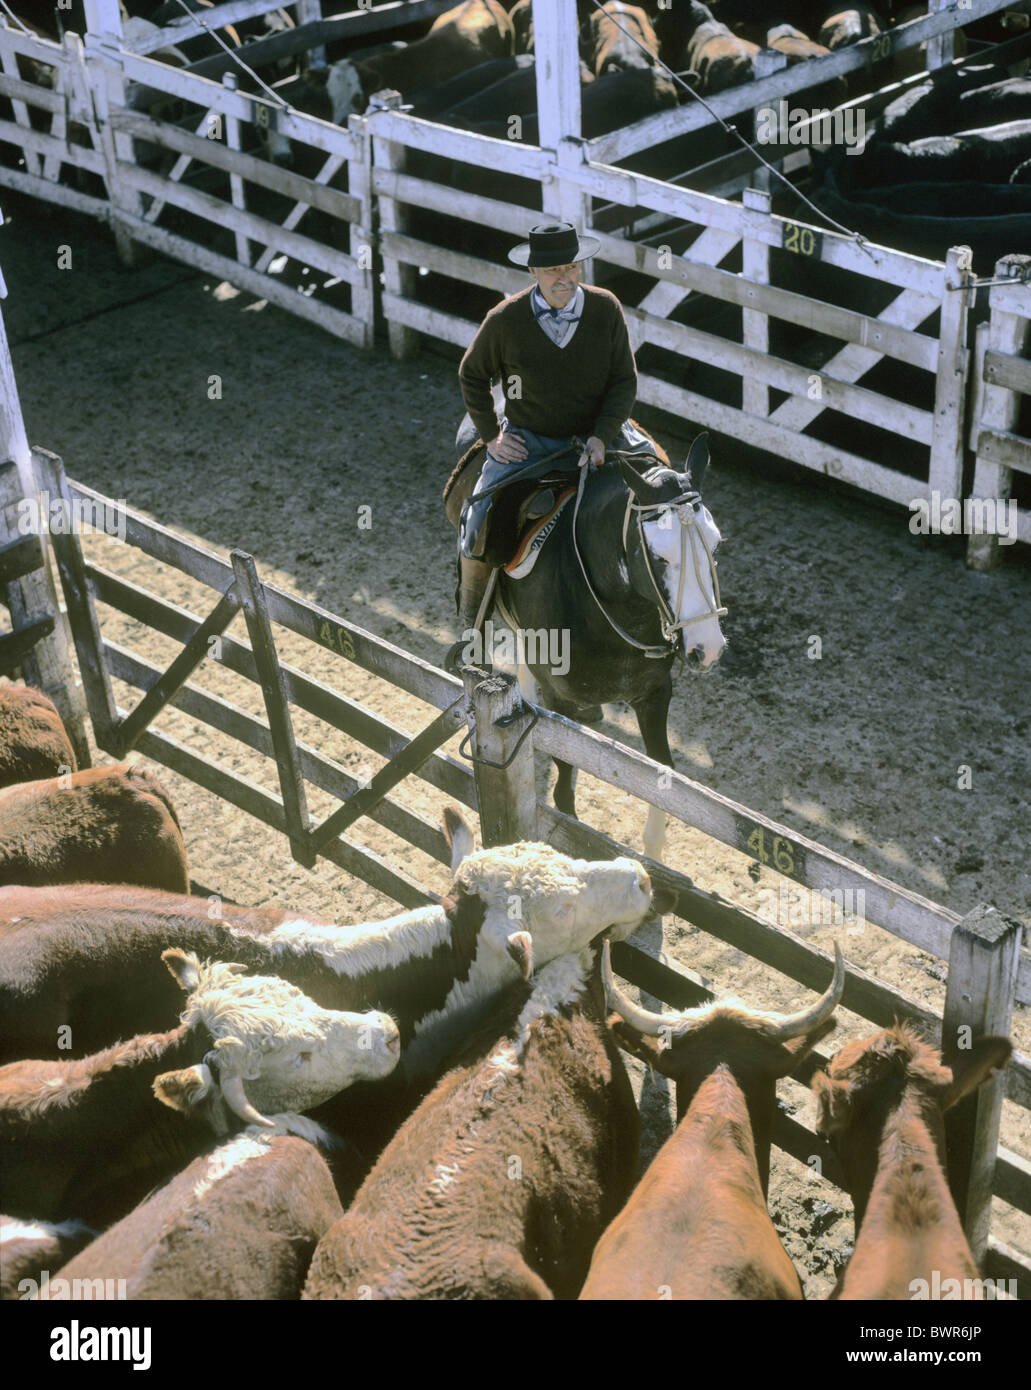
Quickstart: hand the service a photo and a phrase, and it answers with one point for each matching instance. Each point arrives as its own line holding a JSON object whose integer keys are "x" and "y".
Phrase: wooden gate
{"x": 238, "y": 588}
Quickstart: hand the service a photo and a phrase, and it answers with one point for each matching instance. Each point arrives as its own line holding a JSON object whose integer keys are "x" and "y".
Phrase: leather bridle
{"x": 672, "y": 627}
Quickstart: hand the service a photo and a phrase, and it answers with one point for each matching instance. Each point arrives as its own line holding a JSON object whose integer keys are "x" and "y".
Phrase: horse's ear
{"x": 698, "y": 460}
{"x": 642, "y": 489}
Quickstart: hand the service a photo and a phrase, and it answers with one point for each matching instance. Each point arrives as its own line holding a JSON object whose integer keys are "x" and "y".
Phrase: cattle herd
{"x": 205, "y": 1101}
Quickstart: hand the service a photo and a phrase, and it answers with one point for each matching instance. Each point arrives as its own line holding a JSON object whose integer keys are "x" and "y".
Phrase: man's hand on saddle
{"x": 507, "y": 448}
{"x": 595, "y": 451}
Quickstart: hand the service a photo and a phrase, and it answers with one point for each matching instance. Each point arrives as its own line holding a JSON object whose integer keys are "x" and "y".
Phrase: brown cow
{"x": 29, "y": 1247}
{"x": 471, "y": 33}
{"x": 719, "y": 57}
{"x": 33, "y": 742}
{"x": 881, "y": 1103}
{"x": 609, "y": 46}
{"x": 845, "y": 24}
{"x": 102, "y": 825}
{"x": 241, "y": 1222}
{"x": 89, "y": 958}
{"x": 500, "y": 1183}
{"x": 87, "y": 1139}
{"x": 697, "y": 1226}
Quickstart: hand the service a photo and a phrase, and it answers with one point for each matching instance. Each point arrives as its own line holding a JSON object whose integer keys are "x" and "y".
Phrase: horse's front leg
{"x": 652, "y": 711}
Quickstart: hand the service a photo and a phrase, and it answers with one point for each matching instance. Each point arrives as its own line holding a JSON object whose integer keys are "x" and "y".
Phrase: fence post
{"x": 310, "y": 12}
{"x": 359, "y": 185}
{"x": 940, "y": 50}
{"x": 755, "y": 325}
{"x": 103, "y": 40}
{"x": 557, "y": 54}
{"x": 82, "y": 614}
{"x": 767, "y": 62}
{"x": 398, "y": 279}
{"x": 48, "y": 666}
{"x": 507, "y": 796}
{"x": 945, "y": 473}
{"x": 236, "y": 188}
{"x": 983, "y": 960}
{"x": 1007, "y": 332}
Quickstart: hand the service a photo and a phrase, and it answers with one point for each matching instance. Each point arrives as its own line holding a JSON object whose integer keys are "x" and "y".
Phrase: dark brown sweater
{"x": 587, "y": 387}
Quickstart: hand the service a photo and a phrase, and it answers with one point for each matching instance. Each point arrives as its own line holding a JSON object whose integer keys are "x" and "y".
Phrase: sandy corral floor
{"x": 925, "y": 665}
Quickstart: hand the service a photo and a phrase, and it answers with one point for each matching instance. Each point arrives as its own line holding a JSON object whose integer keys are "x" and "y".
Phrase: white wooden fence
{"x": 203, "y": 196}
{"x": 1002, "y": 380}
{"x": 198, "y": 193}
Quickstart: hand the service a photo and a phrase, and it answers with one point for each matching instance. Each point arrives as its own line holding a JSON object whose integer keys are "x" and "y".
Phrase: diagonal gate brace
{"x": 411, "y": 756}
{"x": 157, "y": 697}
{"x": 277, "y": 707}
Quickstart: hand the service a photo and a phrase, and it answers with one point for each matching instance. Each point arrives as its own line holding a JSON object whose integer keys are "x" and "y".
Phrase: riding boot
{"x": 475, "y": 578}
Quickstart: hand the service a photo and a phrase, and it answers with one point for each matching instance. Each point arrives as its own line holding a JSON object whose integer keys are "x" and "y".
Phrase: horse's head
{"x": 673, "y": 562}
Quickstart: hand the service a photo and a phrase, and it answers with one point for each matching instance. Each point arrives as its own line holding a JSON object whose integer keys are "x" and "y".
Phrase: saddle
{"x": 524, "y": 512}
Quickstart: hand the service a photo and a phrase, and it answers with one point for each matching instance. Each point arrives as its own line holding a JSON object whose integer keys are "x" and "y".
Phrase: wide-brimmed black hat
{"x": 553, "y": 243}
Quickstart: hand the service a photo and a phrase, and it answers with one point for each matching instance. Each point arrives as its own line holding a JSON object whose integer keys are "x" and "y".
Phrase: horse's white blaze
{"x": 697, "y": 606}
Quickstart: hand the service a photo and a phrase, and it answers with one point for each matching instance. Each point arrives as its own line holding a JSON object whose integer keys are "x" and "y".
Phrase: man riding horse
{"x": 562, "y": 351}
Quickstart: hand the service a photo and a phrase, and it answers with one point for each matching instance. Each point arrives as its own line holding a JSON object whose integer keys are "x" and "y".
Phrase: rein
{"x": 671, "y": 627}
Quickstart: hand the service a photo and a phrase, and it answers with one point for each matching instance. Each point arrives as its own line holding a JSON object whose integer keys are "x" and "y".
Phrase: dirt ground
{"x": 925, "y": 666}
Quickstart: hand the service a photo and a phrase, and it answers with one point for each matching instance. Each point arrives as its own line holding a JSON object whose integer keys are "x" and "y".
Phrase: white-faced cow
{"x": 87, "y": 1139}
{"x": 33, "y": 741}
{"x": 102, "y": 825}
{"x": 241, "y": 1222}
{"x": 92, "y": 961}
{"x": 500, "y": 1183}
{"x": 697, "y": 1226}
{"x": 436, "y": 970}
{"x": 881, "y": 1103}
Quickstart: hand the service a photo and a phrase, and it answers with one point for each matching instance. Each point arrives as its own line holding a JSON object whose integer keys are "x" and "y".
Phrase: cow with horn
{"x": 697, "y": 1226}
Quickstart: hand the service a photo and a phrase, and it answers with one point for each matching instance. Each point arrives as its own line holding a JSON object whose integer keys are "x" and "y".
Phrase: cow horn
{"x": 651, "y": 1025}
{"x": 236, "y": 1098}
{"x": 794, "y": 1025}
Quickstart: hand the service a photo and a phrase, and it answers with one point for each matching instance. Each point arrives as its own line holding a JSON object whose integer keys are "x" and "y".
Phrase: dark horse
{"x": 635, "y": 588}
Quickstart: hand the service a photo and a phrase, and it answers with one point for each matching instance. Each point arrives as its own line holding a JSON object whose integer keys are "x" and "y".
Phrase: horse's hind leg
{"x": 652, "y": 712}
